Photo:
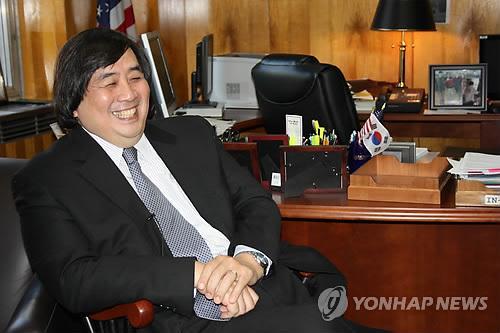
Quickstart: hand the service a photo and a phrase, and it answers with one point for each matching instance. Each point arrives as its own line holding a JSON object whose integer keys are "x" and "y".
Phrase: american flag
{"x": 367, "y": 127}
{"x": 117, "y": 15}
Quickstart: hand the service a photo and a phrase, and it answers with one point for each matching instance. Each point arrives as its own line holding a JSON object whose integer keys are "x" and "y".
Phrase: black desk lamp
{"x": 403, "y": 15}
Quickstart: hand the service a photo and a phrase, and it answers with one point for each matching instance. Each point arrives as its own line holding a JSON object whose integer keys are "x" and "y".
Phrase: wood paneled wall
{"x": 335, "y": 31}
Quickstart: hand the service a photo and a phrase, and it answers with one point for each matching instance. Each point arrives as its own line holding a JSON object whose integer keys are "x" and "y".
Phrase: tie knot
{"x": 130, "y": 155}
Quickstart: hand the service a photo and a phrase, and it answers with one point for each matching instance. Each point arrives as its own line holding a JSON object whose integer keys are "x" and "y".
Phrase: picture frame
{"x": 313, "y": 169}
{"x": 246, "y": 155}
{"x": 268, "y": 148}
{"x": 405, "y": 152}
{"x": 458, "y": 87}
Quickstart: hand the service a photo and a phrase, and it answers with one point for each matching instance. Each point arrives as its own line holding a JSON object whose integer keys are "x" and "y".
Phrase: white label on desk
{"x": 492, "y": 199}
{"x": 294, "y": 129}
{"x": 275, "y": 179}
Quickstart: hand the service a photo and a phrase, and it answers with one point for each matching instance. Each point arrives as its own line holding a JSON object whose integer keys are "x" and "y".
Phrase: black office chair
{"x": 25, "y": 306}
{"x": 300, "y": 85}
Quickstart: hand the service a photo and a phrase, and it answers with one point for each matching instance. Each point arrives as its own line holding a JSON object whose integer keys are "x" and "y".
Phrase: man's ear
{"x": 75, "y": 114}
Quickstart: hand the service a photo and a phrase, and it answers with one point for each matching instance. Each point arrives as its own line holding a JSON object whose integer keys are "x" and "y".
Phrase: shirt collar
{"x": 115, "y": 152}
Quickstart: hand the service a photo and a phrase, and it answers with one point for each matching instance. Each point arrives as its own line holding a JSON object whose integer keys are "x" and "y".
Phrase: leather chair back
{"x": 15, "y": 272}
{"x": 25, "y": 306}
{"x": 299, "y": 84}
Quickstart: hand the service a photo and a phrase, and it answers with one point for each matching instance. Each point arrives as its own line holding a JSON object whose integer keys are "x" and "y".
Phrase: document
{"x": 476, "y": 163}
{"x": 477, "y": 166}
{"x": 363, "y": 101}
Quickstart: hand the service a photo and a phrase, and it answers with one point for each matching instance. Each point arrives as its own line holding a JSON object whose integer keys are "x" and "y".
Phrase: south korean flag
{"x": 377, "y": 139}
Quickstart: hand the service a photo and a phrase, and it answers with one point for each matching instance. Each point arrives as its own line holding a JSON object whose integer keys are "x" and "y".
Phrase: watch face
{"x": 261, "y": 259}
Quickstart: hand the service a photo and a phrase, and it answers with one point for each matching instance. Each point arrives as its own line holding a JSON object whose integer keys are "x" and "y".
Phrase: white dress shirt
{"x": 155, "y": 169}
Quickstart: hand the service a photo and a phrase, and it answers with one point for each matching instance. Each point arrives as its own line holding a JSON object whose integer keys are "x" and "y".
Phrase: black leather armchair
{"x": 299, "y": 84}
{"x": 25, "y": 306}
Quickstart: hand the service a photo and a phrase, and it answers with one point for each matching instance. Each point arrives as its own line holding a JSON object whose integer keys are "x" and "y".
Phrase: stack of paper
{"x": 364, "y": 101}
{"x": 476, "y": 166}
{"x": 220, "y": 125}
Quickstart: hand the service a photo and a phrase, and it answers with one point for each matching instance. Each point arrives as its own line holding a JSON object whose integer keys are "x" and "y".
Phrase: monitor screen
{"x": 489, "y": 49}
{"x": 207, "y": 56}
{"x": 202, "y": 77}
{"x": 162, "y": 92}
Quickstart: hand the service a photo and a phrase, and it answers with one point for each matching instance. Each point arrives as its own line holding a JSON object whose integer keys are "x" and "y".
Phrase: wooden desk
{"x": 474, "y": 131}
{"x": 247, "y": 120}
{"x": 404, "y": 250}
{"x": 483, "y": 128}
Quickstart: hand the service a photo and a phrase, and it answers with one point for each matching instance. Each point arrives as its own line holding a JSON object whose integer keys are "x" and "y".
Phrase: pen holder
{"x": 306, "y": 169}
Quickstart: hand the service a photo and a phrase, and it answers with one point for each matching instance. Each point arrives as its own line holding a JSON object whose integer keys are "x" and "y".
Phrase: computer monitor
{"x": 162, "y": 92}
{"x": 202, "y": 77}
{"x": 489, "y": 49}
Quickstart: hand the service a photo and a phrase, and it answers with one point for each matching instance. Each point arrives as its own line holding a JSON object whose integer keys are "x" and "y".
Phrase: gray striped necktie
{"x": 181, "y": 237}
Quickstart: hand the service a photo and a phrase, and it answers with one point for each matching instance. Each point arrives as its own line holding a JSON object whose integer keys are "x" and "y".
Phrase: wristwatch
{"x": 261, "y": 259}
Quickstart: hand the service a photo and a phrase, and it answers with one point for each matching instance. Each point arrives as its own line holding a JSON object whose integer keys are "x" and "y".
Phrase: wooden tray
{"x": 474, "y": 193}
{"x": 384, "y": 178}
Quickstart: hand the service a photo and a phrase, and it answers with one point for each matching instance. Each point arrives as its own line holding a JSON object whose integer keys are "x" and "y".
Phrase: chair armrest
{"x": 139, "y": 314}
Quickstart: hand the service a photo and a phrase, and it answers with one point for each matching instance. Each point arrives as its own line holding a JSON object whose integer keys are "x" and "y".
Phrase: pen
{"x": 315, "y": 125}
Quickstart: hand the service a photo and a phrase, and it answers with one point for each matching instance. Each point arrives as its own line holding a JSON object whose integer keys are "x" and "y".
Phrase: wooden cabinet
{"x": 404, "y": 250}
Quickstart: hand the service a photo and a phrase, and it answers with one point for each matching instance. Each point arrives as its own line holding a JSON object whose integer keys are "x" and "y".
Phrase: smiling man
{"x": 124, "y": 208}
{"x": 115, "y": 105}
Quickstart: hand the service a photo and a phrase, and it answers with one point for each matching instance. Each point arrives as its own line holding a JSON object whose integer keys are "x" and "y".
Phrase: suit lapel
{"x": 170, "y": 149}
{"x": 175, "y": 158}
{"x": 99, "y": 170}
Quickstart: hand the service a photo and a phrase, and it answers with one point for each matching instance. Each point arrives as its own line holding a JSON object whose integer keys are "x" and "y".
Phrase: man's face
{"x": 115, "y": 105}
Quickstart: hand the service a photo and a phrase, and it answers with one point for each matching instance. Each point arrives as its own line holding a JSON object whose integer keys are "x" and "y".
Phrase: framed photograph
{"x": 458, "y": 87}
{"x": 405, "y": 152}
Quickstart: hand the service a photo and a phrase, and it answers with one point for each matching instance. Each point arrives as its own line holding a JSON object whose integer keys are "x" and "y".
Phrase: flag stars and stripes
{"x": 117, "y": 15}
{"x": 100, "y": 10}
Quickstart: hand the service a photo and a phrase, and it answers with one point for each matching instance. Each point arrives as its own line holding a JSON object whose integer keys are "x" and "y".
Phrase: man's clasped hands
{"x": 227, "y": 281}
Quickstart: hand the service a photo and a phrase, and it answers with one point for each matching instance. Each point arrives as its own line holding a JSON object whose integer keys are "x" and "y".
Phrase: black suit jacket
{"x": 91, "y": 239}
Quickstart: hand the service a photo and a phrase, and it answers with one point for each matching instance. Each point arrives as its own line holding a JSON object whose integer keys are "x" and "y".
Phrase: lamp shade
{"x": 404, "y": 15}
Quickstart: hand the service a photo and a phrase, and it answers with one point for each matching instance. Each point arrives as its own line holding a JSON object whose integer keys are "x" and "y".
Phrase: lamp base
{"x": 405, "y": 100}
